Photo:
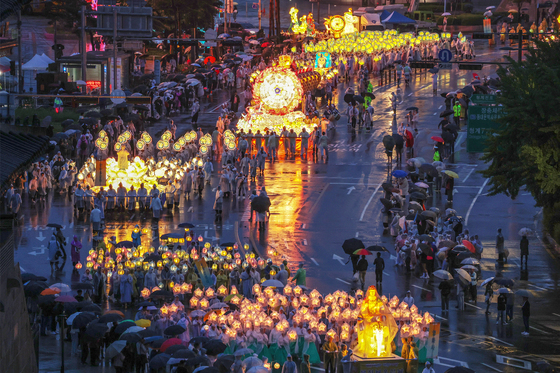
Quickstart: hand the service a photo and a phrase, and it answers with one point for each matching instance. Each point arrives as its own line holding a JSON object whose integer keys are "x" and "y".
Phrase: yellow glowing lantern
{"x": 256, "y": 289}
{"x": 198, "y": 293}
{"x": 194, "y": 302}
{"x": 210, "y": 292}
{"x": 276, "y": 366}
{"x": 234, "y": 290}
{"x": 222, "y": 290}
{"x": 297, "y": 291}
{"x": 78, "y": 265}
{"x": 288, "y": 289}
{"x": 204, "y": 303}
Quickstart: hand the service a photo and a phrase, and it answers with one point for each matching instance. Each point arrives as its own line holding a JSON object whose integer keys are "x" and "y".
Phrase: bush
{"x": 464, "y": 19}
{"x": 551, "y": 220}
{"x": 434, "y": 7}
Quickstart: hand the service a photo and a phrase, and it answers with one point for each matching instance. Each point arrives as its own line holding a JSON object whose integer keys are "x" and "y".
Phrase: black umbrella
{"x": 106, "y": 112}
{"x": 173, "y": 349}
{"x": 146, "y": 304}
{"x": 227, "y": 244}
{"x": 95, "y": 330}
{"x": 359, "y": 99}
{"x": 412, "y": 108}
{"x": 186, "y": 225}
{"x": 351, "y": 245}
{"x": 87, "y": 121}
{"x": 197, "y": 360}
{"x": 445, "y": 113}
{"x": 348, "y": 98}
{"x": 93, "y": 114}
{"x": 224, "y": 363}
{"x": 426, "y": 249}
{"x": 157, "y": 343}
{"x": 82, "y": 286}
{"x": 209, "y": 370}
{"x": 31, "y": 277}
{"x": 504, "y": 282}
{"x": 462, "y": 102}
{"x": 183, "y": 353}
{"x": 162, "y": 294}
{"x": 428, "y": 169}
{"x": 388, "y": 187}
{"x": 70, "y": 307}
{"x": 92, "y": 308}
{"x": 426, "y": 237}
{"x": 147, "y": 333}
{"x": 159, "y": 361}
{"x": 444, "y": 94}
{"x": 201, "y": 340}
{"x": 67, "y": 122}
{"x": 468, "y": 91}
{"x": 368, "y": 94}
{"x": 260, "y": 204}
{"x": 447, "y": 137}
{"x": 122, "y": 105}
{"x": 141, "y": 88}
{"x": 140, "y": 108}
{"x": 127, "y": 244}
{"x": 376, "y": 248}
{"x": 45, "y": 299}
{"x": 130, "y": 337}
{"x": 34, "y": 288}
{"x": 152, "y": 258}
{"x": 214, "y": 347}
{"x": 399, "y": 140}
{"x": 83, "y": 319}
{"x": 54, "y": 225}
{"x": 174, "y": 330}
{"x": 388, "y": 142}
{"x": 110, "y": 317}
{"x": 172, "y": 235}
{"x": 123, "y": 326}
{"x": 418, "y": 195}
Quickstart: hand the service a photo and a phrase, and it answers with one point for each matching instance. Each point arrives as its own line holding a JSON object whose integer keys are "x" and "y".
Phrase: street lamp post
{"x": 62, "y": 321}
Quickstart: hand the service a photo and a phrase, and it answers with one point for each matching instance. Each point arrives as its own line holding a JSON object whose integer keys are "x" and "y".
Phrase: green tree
{"x": 185, "y": 15}
{"x": 524, "y": 152}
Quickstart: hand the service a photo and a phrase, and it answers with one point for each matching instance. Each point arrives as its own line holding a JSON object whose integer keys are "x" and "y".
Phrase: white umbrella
{"x": 446, "y": 14}
{"x": 525, "y": 232}
{"x": 150, "y": 308}
{"x": 243, "y": 351}
{"x": 469, "y": 267}
{"x": 80, "y": 82}
{"x": 217, "y": 306}
{"x": 490, "y": 7}
{"x": 488, "y": 13}
{"x": 504, "y": 291}
{"x": 62, "y": 287}
{"x": 198, "y": 313}
{"x": 470, "y": 261}
{"x": 487, "y": 281}
{"x": 114, "y": 349}
{"x": 258, "y": 370}
{"x": 443, "y": 275}
{"x": 255, "y": 42}
{"x": 252, "y": 362}
{"x": 463, "y": 274}
{"x": 133, "y": 329}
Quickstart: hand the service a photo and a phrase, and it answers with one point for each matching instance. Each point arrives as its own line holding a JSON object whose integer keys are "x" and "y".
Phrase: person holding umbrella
{"x": 362, "y": 269}
{"x": 524, "y": 246}
{"x": 501, "y": 308}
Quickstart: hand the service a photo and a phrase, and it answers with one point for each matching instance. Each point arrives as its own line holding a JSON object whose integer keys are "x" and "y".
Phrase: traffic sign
{"x": 445, "y": 66}
{"x": 255, "y": 6}
{"x": 445, "y": 55}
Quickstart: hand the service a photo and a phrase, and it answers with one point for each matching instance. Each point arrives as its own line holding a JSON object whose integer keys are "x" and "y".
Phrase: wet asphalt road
{"x": 315, "y": 206}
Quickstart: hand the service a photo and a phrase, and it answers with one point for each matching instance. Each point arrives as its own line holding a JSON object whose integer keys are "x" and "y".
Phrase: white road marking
{"x": 474, "y": 201}
{"x": 455, "y": 362}
{"x": 538, "y": 287}
{"x": 346, "y": 282}
{"x": 440, "y": 106}
{"x": 511, "y": 361}
{"x": 410, "y": 94}
{"x": 339, "y": 258}
{"x": 469, "y": 174}
{"x": 419, "y": 287}
{"x": 472, "y": 305}
{"x": 491, "y": 367}
{"x": 542, "y": 331}
{"x": 314, "y": 261}
{"x": 190, "y": 209}
{"x": 23, "y": 270}
{"x": 435, "y": 113}
{"x": 350, "y": 189}
{"x": 555, "y": 314}
{"x": 357, "y": 234}
{"x": 369, "y": 201}
{"x": 386, "y": 274}
{"x": 317, "y": 368}
{"x": 439, "y": 317}
{"x": 305, "y": 242}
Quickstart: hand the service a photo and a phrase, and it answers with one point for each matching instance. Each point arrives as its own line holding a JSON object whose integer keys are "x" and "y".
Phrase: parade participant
{"x": 121, "y": 197}
{"x": 131, "y": 198}
{"x": 142, "y": 197}
{"x": 156, "y": 206}
{"x": 54, "y": 252}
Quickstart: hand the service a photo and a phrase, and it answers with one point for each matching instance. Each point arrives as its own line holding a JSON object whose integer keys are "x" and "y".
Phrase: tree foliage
{"x": 524, "y": 152}
{"x": 65, "y": 11}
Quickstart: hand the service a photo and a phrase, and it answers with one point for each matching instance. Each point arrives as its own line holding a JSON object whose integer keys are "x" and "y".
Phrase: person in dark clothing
{"x": 449, "y": 184}
{"x": 526, "y": 309}
{"x": 524, "y": 246}
{"x": 354, "y": 259}
{"x": 362, "y": 269}
{"x": 379, "y": 264}
{"x": 501, "y": 308}
{"x": 445, "y": 289}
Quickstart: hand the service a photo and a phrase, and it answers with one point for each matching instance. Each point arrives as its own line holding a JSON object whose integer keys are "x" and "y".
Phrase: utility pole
{"x": 271, "y": 18}
{"x": 260, "y": 14}
{"x": 225, "y": 17}
{"x": 115, "y": 49}
{"x": 20, "y": 61}
{"x": 84, "y": 45}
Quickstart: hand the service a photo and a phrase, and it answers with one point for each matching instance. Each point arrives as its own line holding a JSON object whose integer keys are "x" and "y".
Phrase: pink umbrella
{"x": 170, "y": 342}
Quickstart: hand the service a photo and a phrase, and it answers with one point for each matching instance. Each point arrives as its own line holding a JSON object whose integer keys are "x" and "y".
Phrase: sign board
{"x": 445, "y": 55}
{"x": 255, "y": 6}
{"x": 432, "y": 344}
{"x": 100, "y": 172}
{"x": 484, "y": 99}
{"x": 445, "y": 66}
{"x": 482, "y": 119}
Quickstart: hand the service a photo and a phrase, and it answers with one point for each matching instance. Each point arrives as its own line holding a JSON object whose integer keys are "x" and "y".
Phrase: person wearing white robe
{"x": 142, "y": 194}
{"x": 156, "y": 207}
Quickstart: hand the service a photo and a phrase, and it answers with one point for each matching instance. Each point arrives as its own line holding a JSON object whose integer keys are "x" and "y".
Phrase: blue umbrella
{"x": 196, "y": 64}
{"x": 399, "y": 173}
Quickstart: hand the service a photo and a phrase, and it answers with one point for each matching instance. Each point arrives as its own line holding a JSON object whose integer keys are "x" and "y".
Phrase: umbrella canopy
{"x": 399, "y": 173}
{"x": 524, "y": 293}
{"x": 114, "y": 349}
{"x": 359, "y": 99}
{"x": 504, "y": 282}
{"x": 260, "y": 204}
{"x": 183, "y": 353}
{"x": 487, "y": 281}
{"x": 170, "y": 342}
{"x": 144, "y": 323}
{"x": 65, "y": 299}
{"x": 174, "y": 330}
{"x": 469, "y": 246}
{"x": 525, "y": 232}
{"x": 224, "y": 363}
{"x": 159, "y": 361}
{"x": 451, "y": 174}
{"x": 49, "y": 291}
{"x": 133, "y": 329}
{"x": 252, "y": 362}
{"x": 469, "y": 267}
{"x": 443, "y": 275}
{"x": 173, "y": 349}
{"x": 62, "y": 287}
{"x": 445, "y": 113}
{"x": 186, "y": 225}
{"x": 25, "y": 277}
{"x": 463, "y": 275}
{"x": 412, "y": 108}
{"x": 123, "y": 326}
{"x": 505, "y": 291}
{"x": 362, "y": 252}
{"x": 130, "y": 337}
{"x": 422, "y": 185}
{"x": 214, "y": 347}
{"x": 437, "y": 138}
{"x": 110, "y": 317}
{"x": 470, "y": 261}
{"x": 351, "y": 245}
{"x": 272, "y": 283}
{"x": 242, "y": 352}
{"x": 126, "y": 244}
{"x": 95, "y": 330}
